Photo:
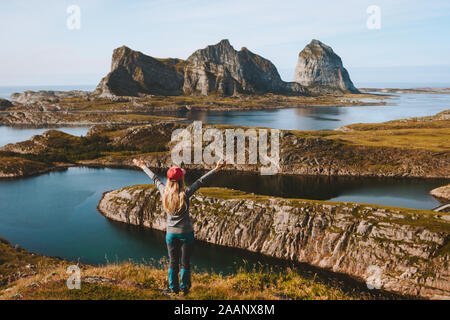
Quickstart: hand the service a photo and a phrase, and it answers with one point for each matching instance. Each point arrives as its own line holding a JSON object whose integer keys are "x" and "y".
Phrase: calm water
{"x": 55, "y": 214}
{"x": 399, "y": 106}
{"x": 13, "y": 135}
{"x": 328, "y": 118}
{"x": 407, "y": 193}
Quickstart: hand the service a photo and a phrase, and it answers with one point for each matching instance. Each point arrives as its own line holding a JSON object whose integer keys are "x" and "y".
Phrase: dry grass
{"x": 436, "y": 139}
{"x": 133, "y": 281}
{"x": 24, "y": 275}
{"x": 434, "y": 136}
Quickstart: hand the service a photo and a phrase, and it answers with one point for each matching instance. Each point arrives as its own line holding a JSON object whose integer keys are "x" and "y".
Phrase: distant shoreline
{"x": 408, "y": 90}
{"x": 6, "y": 91}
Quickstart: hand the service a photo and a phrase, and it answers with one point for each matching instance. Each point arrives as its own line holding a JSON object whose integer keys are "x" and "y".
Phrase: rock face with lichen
{"x": 399, "y": 250}
{"x": 320, "y": 69}
{"x": 216, "y": 69}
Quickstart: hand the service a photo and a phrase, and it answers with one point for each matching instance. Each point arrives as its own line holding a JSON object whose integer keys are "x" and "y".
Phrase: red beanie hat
{"x": 175, "y": 173}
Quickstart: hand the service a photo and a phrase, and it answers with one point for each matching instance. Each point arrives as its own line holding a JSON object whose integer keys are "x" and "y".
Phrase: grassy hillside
{"x": 29, "y": 276}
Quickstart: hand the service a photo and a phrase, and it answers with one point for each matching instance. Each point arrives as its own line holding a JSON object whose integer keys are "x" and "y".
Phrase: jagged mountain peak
{"x": 320, "y": 68}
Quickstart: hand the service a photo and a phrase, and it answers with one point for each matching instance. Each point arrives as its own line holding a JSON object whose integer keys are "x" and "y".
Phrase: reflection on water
{"x": 55, "y": 214}
{"x": 408, "y": 193}
{"x": 328, "y": 118}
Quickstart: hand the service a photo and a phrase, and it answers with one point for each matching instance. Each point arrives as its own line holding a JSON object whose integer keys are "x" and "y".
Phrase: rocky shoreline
{"x": 407, "y": 90}
{"x": 399, "y": 250}
{"x": 32, "y": 110}
{"x": 442, "y": 193}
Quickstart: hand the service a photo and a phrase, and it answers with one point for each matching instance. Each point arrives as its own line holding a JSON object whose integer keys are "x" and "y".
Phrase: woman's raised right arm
{"x": 159, "y": 185}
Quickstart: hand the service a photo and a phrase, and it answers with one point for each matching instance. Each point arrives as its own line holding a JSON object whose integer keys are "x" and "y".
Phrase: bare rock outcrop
{"x": 320, "y": 69}
{"x": 399, "y": 250}
{"x": 442, "y": 193}
{"x": 42, "y": 96}
{"x": 134, "y": 73}
{"x": 217, "y": 69}
{"x": 221, "y": 69}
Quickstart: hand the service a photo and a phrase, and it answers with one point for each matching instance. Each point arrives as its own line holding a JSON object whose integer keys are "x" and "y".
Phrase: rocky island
{"x": 217, "y": 69}
{"x": 321, "y": 70}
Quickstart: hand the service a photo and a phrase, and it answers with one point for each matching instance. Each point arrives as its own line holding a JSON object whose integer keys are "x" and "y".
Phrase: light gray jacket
{"x": 180, "y": 222}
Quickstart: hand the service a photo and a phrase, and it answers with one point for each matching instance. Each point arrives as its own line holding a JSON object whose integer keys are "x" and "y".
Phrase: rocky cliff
{"x": 217, "y": 69}
{"x": 221, "y": 69}
{"x": 399, "y": 250}
{"x": 320, "y": 69}
{"x": 133, "y": 73}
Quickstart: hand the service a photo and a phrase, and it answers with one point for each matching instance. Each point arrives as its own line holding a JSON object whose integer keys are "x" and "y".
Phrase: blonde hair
{"x": 174, "y": 197}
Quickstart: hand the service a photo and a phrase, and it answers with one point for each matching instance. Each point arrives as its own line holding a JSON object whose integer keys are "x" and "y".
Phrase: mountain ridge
{"x": 215, "y": 69}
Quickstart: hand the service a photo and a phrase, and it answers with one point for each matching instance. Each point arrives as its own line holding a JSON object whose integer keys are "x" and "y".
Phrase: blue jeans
{"x": 180, "y": 247}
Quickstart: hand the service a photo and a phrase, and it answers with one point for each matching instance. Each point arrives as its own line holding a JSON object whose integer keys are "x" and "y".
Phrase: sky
{"x": 37, "y": 47}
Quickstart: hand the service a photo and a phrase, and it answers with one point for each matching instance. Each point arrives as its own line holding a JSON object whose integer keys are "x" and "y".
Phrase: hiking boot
{"x": 170, "y": 292}
{"x": 185, "y": 292}
{"x": 174, "y": 291}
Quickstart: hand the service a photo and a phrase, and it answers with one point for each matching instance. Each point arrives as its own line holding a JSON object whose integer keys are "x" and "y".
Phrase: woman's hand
{"x": 139, "y": 163}
{"x": 220, "y": 165}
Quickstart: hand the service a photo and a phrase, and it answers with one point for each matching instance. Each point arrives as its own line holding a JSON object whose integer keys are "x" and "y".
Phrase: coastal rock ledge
{"x": 400, "y": 250}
